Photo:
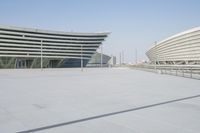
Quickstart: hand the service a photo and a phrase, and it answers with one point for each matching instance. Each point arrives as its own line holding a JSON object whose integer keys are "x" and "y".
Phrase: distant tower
{"x": 135, "y": 55}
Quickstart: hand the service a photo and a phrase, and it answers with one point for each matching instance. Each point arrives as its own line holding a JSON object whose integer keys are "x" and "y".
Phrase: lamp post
{"x": 156, "y": 55}
{"x": 136, "y": 56}
{"x": 120, "y": 61}
{"x": 41, "y": 57}
{"x": 122, "y": 57}
{"x": 81, "y": 57}
{"x": 101, "y": 55}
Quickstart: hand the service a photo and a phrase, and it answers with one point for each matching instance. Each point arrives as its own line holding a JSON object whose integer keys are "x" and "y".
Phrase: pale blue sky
{"x": 133, "y": 23}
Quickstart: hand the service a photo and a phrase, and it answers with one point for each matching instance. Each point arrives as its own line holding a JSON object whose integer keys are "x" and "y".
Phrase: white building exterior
{"x": 24, "y": 47}
{"x": 182, "y": 48}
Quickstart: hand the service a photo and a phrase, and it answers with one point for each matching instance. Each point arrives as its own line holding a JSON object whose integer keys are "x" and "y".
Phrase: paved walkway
{"x": 97, "y": 100}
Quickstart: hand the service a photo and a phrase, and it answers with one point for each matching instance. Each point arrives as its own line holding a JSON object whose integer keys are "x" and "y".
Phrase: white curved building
{"x": 26, "y": 48}
{"x": 182, "y": 48}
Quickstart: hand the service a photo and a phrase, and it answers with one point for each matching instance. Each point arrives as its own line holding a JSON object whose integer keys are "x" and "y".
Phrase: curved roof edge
{"x": 176, "y": 35}
{"x": 53, "y": 32}
{"x": 179, "y": 34}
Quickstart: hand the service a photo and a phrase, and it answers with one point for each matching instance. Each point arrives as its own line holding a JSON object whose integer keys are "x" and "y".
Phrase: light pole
{"x": 122, "y": 57}
{"x": 120, "y": 62}
{"x": 101, "y": 55}
{"x": 136, "y": 56}
{"x": 155, "y": 54}
{"x": 81, "y": 57}
{"x": 41, "y": 60}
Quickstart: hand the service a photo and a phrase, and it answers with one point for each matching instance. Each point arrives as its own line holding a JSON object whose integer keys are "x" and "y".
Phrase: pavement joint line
{"x": 106, "y": 115}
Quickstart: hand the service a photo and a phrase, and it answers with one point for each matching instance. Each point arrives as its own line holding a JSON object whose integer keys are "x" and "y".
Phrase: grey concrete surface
{"x": 31, "y": 99}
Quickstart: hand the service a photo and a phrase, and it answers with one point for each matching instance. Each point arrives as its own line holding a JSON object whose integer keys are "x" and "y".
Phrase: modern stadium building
{"x": 180, "y": 49}
{"x": 35, "y": 48}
